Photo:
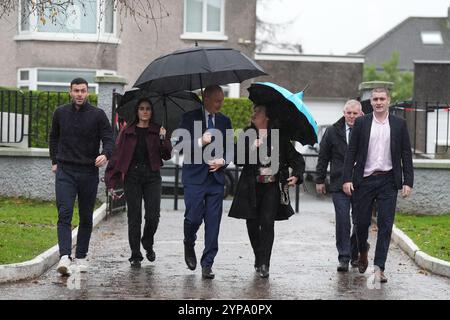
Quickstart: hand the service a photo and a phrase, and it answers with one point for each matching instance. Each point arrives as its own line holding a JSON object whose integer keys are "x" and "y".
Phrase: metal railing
{"x": 25, "y": 117}
{"x": 428, "y": 124}
{"x": 175, "y": 187}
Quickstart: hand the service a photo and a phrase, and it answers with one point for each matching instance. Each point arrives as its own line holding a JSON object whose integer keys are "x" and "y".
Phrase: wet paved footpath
{"x": 303, "y": 266}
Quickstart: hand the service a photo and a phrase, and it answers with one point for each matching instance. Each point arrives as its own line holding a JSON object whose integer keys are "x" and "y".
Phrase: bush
{"x": 239, "y": 111}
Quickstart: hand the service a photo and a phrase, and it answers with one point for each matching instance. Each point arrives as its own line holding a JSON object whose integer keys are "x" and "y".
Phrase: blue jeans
{"x": 346, "y": 243}
{"x": 70, "y": 183}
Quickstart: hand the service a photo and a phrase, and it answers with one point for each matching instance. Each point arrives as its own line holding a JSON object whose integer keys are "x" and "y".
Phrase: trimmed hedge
{"x": 239, "y": 111}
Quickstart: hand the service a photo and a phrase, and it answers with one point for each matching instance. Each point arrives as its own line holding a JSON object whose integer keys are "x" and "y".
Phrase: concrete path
{"x": 303, "y": 266}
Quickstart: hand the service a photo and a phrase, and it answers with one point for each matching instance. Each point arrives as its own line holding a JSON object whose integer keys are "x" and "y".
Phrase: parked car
{"x": 168, "y": 172}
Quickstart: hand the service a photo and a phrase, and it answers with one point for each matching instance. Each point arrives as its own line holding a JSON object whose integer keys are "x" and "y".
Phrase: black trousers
{"x": 382, "y": 189}
{"x": 142, "y": 183}
{"x": 261, "y": 230}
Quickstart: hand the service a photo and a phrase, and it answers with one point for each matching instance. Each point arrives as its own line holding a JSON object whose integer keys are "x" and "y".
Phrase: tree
{"x": 268, "y": 32}
{"x": 403, "y": 80}
{"x": 48, "y": 11}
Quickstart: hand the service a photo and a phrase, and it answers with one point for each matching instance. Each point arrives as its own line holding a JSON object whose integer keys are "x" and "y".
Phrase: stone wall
{"x": 27, "y": 173}
{"x": 430, "y": 194}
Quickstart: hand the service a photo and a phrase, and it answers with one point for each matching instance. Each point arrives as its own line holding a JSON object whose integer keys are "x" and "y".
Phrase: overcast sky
{"x": 343, "y": 26}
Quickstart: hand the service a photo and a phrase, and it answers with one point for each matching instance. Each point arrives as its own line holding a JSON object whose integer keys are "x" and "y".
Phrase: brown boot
{"x": 363, "y": 262}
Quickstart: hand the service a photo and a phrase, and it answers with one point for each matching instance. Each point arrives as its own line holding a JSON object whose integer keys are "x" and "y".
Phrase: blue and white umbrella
{"x": 288, "y": 108}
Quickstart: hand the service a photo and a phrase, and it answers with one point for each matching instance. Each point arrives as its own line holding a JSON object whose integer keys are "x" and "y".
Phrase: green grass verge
{"x": 27, "y": 228}
{"x": 430, "y": 233}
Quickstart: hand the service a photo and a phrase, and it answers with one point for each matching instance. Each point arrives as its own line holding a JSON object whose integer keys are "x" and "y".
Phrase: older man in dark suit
{"x": 332, "y": 151}
{"x": 378, "y": 163}
{"x": 204, "y": 180}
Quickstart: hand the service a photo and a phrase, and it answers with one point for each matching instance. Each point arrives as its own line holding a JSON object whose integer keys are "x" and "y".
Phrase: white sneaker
{"x": 63, "y": 265}
{"x": 82, "y": 264}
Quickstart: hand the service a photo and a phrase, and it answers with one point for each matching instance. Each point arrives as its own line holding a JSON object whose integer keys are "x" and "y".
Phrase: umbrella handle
{"x": 164, "y": 124}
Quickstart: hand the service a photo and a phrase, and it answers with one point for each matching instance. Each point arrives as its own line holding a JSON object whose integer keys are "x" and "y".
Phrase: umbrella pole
{"x": 164, "y": 124}
{"x": 203, "y": 103}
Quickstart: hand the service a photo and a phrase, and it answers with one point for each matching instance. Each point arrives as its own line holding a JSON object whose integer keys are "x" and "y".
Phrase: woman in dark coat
{"x": 136, "y": 161}
{"x": 263, "y": 196}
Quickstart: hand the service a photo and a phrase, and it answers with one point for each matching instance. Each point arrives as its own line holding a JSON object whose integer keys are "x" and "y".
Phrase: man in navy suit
{"x": 378, "y": 155}
{"x": 332, "y": 151}
{"x": 203, "y": 179}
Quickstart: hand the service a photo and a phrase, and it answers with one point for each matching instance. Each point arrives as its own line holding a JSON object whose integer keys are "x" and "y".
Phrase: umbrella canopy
{"x": 167, "y": 108}
{"x": 196, "y": 68}
{"x": 291, "y": 113}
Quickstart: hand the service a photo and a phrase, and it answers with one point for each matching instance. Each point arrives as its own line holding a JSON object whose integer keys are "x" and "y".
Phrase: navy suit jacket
{"x": 197, "y": 173}
{"x": 356, "y": 156}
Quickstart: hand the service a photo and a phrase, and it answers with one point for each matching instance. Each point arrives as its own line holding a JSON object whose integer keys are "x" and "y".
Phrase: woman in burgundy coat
{"x": 136, "y": 162}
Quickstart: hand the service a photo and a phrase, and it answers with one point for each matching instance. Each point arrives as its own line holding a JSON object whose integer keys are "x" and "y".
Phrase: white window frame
{"x": 233, "y": 90}
{"x": 32, "y": 83}
{"x": 205, "y": 35}
{"x": 100, "y": 35}
{"x": 435, "y": 40}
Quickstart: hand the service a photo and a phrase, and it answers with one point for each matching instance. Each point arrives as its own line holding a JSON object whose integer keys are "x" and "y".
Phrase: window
{"x": 231, "y": 90}
{"x": 82, "y": 20}
{"x": 52, "y": 79}
{"x": 204, "y": 20}
{"x": 432, "y": 37}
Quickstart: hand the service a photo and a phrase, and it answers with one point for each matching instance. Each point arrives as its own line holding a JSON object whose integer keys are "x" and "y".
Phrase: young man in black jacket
{"x": 377, "y": 164}
{"x": 77, "y": 130}
{"x": 332, "y": 150}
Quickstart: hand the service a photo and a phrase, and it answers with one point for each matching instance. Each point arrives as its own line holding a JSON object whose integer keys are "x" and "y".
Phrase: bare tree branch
{"x": 48, "y": 11}
{"x": 268, "y": 32}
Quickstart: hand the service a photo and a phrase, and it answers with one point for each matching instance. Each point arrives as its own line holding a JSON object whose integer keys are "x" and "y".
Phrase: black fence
{"x": 428, "y": 125}
{"x": 25, "y": 117}
{"x": 173, "y": 188}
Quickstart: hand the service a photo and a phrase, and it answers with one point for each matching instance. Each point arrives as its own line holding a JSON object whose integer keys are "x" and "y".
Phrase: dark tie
{"x": 211, "y": 126}
{"x": 349, "y": 134}
{"x": 210, "y": 121}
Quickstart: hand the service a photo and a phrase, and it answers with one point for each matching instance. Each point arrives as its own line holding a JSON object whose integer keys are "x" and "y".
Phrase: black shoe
{"x": 135, "y": 263}
{"x": 151, "y": 256}
{"x": 257, "y": 269}
{"x": 264, "y": 271}
{"x": 189, "y": 257}
{"x": 207, "y": 273}
{"x": 342, "y": 267}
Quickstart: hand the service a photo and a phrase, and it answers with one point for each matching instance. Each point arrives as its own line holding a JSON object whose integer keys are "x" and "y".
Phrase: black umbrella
{"x": 167, "y": 108}
{"x": 287, "y": 110}
{"x": 196, "y": 68}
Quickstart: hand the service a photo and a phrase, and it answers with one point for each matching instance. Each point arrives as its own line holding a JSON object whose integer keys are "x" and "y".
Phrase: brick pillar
{"x": 365, "y": 90}
{"x": 106, "y": 85}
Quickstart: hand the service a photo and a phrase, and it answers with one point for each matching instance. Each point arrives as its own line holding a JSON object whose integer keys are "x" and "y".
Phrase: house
{"x": 329, "y": 80}
{"x": 423, "y": 44}
{"x": 47, "y": 56}
{"x": 416, "y": 38}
